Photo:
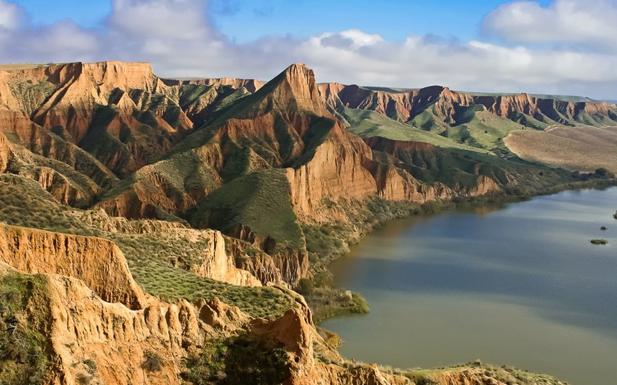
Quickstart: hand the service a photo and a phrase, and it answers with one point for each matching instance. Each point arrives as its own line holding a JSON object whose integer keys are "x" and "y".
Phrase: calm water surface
{"x": 520, "y": 285}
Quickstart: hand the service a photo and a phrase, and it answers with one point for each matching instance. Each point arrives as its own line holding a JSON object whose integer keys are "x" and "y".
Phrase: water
{"x": 518, "y": 285}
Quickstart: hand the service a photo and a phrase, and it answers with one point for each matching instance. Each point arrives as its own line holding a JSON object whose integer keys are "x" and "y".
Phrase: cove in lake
{"x": 520, "y": 285}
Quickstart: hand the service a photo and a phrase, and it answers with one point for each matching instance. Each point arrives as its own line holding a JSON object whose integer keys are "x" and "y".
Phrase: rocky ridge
{"x": 449, "y": 105}
{"x": 88, "y": 337}
{"x": 112, "y": 174}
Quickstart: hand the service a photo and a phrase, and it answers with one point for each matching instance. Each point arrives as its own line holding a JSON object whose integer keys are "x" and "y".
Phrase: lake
{"x": 518, "y": 285}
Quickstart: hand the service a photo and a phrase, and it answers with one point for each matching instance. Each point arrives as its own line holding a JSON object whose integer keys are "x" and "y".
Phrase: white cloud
{"x": 163, "y": 20}
{"x": 351, "y": 38}
{"x": 9, "y": 15}
{"x": 578, "y": 23}
{"x": 61, "y": 41}
{"x": 179, "y": 39}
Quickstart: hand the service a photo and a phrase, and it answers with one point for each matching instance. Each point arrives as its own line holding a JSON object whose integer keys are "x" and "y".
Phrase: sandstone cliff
{"x": 98, "y": 262}
{"x": 255, "y": 161}
{"x": 448, "y": 105}
{"x": 90, "y": 340}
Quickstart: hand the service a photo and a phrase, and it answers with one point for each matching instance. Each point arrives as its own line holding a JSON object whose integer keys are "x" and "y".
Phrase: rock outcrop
{"x": 93, "y": 341}
{"x": 217, "y": 264}
{"x": 117, "y": 137}
{"x": 96, "y": 261}
{"x": 448, "y": 105}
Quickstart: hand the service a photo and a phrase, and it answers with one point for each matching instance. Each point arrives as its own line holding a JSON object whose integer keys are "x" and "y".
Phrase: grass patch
{"x": 260, "y": 201}
{"x": 24, "y": 352}
{"x": 159, "y": 262}
{"x": 367, "y": 124}
{"x": 327, "y": 302}
{"x": 239, "y": 360}
{"x": 489, "y": 373}
{"x": 31, "y": 94}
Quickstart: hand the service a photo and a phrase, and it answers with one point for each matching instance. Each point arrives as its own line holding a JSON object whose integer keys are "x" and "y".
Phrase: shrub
{"x": 305, "y": 286}
{"x": 152, "y": 362}
{"x": 91, "y": 364}
{"x": 240, "y": 360}
{"x": 24, "y": 353}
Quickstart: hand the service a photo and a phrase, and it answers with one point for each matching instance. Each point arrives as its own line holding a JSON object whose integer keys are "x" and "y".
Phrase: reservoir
{"x": 519, "y": 284}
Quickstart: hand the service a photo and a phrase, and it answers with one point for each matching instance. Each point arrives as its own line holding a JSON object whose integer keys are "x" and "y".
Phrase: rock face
{"x": 94, "y": 341}
{"x": 337, "y": 164}
{"x": 98, "y": 262}
{"x": 5, "y": 154}
{"x": 216, "y": 264}
{"x": 121, "y": 341}
{"x": 107, "y": 343}
{"x": 115, "y": 135}
{"x": 404, "y": 105}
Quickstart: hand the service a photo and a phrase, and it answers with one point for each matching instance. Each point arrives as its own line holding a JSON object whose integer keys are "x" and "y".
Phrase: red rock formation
{"x": 96, "y": 261}
{"x": 404, "y": 105}
{"x": 252, "y": 85}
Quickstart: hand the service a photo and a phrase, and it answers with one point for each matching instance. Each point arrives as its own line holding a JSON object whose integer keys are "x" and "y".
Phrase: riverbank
{"x": 328, "y": 242}
{"x": 518, "y": 285}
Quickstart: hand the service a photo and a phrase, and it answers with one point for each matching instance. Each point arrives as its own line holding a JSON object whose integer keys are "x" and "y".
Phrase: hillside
{"x": 477, "y": 121}
{"x": 162, "y": 224}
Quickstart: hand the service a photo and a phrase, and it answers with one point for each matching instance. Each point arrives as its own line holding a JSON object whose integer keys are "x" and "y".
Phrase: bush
{"x": 240, "y": 360}
{"x": 603, "y": 173}
{"x": 24, "y": 354}
{"x": 91, "y": 364}
{"x": 152, "y": 362}
{"x": 305, "y": 286}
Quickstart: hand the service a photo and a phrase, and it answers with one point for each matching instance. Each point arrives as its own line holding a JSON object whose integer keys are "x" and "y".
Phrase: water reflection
{"x": 519, "y": 285}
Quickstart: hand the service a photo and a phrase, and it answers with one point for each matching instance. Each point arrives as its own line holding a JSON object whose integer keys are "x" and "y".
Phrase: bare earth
{"x": 577, "y": 148}
{"x": 18, "y": 67}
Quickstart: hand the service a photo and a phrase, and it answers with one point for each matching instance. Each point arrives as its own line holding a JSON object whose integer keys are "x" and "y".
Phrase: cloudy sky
{"x": 551, "y": 46}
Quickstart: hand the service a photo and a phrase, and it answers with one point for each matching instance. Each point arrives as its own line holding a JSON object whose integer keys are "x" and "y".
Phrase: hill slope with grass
{"x": 210, "y": 200}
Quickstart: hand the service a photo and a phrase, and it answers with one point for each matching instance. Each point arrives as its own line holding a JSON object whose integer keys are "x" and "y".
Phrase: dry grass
{"x": 578, "y": 148}
{"x": 18, "y": 67}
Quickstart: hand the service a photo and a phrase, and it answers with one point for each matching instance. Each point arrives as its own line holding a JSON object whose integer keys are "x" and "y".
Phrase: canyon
{"x": 154, "y": 228}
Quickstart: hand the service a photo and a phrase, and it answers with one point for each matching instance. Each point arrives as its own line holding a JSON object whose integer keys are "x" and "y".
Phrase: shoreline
{"x": 347, "y": 302}
{"x": 387, "y": 280}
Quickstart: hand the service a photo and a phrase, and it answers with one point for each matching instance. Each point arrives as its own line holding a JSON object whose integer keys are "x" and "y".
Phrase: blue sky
{"x": 245, "y": 20}
{"x": 535, "y": 46}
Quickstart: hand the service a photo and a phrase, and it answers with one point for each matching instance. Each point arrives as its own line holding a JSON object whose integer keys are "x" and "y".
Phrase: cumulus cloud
{"x": 177, "y": 36}
{"x": 9, "y": 16}
{"x": 577, "y": 23}
{"x": 352, "y": 38}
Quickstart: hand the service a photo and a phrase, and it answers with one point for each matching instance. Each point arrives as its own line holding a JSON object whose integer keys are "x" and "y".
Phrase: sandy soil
{"x": 577, "y": 148}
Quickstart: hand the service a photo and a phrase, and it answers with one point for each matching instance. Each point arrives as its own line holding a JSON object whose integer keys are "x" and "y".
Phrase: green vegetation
{"x": 170, "y": 283}
{"x": 152, "y": 362}
{"x": 484, "y": 130}
{"x": 599, "y": 242}
{"x": 326, "y": 242}
{"x": 159, "y": 262}
{"x": 328, "y": 302}
{"x": 474, "y": 130}
{"x": 366, "y": 123}
{"x": 239, "y": 360}
{"x": 260, "y": 201}
{"x": 31, "y": 94}
{"x": 24, "y": 352}
{"x": 24, "y": 203}
{"x": 489, "y": 373}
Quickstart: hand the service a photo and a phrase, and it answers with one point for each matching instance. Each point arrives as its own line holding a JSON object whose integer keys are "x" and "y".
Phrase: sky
{"x": 553, "y": 46}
